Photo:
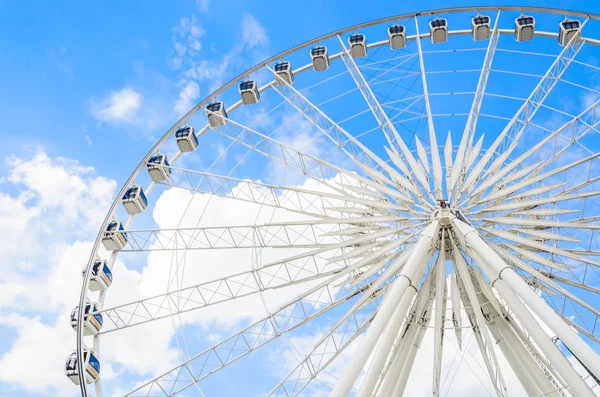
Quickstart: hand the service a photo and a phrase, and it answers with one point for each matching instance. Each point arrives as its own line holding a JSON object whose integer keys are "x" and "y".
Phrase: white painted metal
{"x": 519, "y": 121}
{"x": 499, "y": 272}
{"x": 421, "y": 251}
{"x": 435, "y": 154}
{"x": 439, "y": 321}
{"x": 364, "y": 222}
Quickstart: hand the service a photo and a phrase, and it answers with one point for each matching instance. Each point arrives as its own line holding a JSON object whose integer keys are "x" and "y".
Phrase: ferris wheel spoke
{"x": 579, "y": 126}
{"x": 308, "y": 234}
{"x": 388, "y": 128}
{"x": 338, "y": 135}
{"x": 506, "y": 191}
{"x": 514, "y": 129}
{"x": 299, "y": 311}
{"x": 435, "y": 154}
{"x": 466, "y": 142}
{"x": 524, "y": 205}
{"x": 309, "y": 165}
{"x": 305, "y": 163}
{"x": 328, "y": 348}
{"x": 535, "y": 245}
{"x": 293, "y": 270}
{"x": 548, "y": 280}
{"x": 308, "y": 202}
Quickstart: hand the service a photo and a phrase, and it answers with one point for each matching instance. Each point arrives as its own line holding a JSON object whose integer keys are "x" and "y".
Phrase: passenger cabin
{"x": 90, "y": 363}
{"x": 524, "y": 28}
{"x": 159, "y": 167}
{"x": 320, "y": 58}
{"x": 186, "y": 138}
{"x": 101, "y": 277}
{"x": 438, "y": 30}
{"x": 358, "y": 45}
{"x": 397, "y": 37}
{"x": 92, "y": 320}
{"x": 567, "y": 29}
{"x": 249, "y": 92}
{"x": 134, "y": 200}
{"x": 480, "y": 27}
{"x": 114, "y": 240}
{"x": 217, "y": 116}
{"x": 284, "y": 73}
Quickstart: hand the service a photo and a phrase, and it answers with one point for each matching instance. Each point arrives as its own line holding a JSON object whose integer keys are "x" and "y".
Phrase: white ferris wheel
{"x": 423, "y": 184}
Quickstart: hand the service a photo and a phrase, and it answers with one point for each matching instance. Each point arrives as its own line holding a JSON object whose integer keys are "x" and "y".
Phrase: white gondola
{"x": 358, "y": 45}
{"x": 480, "y": 27}
{"x": 134, "y": 200}
{"x": 284, "y": 73}
{"x": 159, "y": 167}
{"x": 114, "y": 240}
{"x": 101, "y": 277}
{"x": 567, "y": 29}
{"x": 397, "y": 37}
{"x": 320, "y": 58}
{"x": 186, "y": 138}
{"x": 217, "y": 116}
{"x": 438, "y": 30}
{"x": 524, "y": 28}
{"x": 92, "y": 323}
{"x": 249, "y": 92}
{"x": 90, "y": 363}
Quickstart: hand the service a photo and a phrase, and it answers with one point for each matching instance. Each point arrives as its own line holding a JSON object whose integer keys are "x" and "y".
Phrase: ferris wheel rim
{"x": 217, "y": 92}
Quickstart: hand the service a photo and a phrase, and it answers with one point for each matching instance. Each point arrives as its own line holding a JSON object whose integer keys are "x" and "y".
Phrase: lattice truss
{"x": 440, "y": 195}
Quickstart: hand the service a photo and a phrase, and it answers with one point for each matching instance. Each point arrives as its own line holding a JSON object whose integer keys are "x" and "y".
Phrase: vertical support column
{"x": 421, "y": 251}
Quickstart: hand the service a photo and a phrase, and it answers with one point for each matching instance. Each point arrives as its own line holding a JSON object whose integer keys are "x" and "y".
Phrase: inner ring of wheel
{"x": 216, "y": 93}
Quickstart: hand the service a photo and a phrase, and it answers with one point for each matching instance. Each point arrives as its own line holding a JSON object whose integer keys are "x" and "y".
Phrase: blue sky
{"x": 86, "y": 91}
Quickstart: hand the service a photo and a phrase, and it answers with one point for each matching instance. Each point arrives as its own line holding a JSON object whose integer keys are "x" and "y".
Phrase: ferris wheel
{"x": 423, "y": 184}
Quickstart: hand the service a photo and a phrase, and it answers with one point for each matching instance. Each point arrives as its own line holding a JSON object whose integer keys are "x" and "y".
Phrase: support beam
{"x": 418, "y": 320}
{"x": 386, "y": 125}
{"x": 459, "y": 168}
{"x": 481, "y": 331}
{"x": 436, "y": 163}
{"x": 501, "y": 276}
{"x": 514, "y": 129}
{"x": 440, "y": 317}
{"x": 421, "y": 252}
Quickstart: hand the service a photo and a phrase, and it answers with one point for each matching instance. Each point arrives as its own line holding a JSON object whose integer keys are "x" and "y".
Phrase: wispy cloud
{"x": 118, "y": 106}
{"x": 251, "y": 47}
{"x": 188, "y": 95}
{"x": 203, "y": 5}
{"x": 58, "y": 58}
{"x": 186, "y": 41}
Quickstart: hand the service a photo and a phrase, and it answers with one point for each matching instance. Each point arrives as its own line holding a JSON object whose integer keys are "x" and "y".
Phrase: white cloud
{"x": 253, "y": 33}
{"x": 203, "y": 5}
{"x": 187, "y": 97}
{"x": 251, "y": 46}
{"x": 118, "y": 106}
{"x": 186, "y": 41}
